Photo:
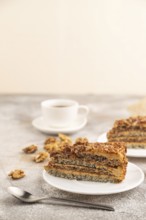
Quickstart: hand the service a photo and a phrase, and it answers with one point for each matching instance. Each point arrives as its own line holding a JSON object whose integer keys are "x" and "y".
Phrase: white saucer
{"x": 134, "y": 177}
{"x": 130, "y": 152}
{"x": 77, "y": 125}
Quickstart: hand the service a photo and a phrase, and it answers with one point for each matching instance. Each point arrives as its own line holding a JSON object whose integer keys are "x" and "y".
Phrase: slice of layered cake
{"x": 132, "y": 131}
{"x": 89, "y": 161}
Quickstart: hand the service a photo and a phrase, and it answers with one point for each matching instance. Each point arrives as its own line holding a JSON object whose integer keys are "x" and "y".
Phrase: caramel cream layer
{"x": 85, "y": 175}
{"x": 99, "y": 170}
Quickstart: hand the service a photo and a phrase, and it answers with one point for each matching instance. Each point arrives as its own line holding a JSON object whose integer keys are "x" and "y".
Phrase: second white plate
{"x": 130, "y": 152}
{"x": 75, "y": 126}
{"x": 134, "y": 177}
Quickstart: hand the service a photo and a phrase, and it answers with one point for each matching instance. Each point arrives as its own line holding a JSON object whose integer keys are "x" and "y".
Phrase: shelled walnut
{"x": 65, "y": 138}
{"x": 16, "y": 174}
{"x": 51, "y": 146}
{"x": 30, "y": 149}
{"x": 40, "y": 157}
{"x": 50, "y": 140}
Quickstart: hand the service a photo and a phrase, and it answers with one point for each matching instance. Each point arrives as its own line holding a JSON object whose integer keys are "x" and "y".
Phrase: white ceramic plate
{"x": 130, "y": 152}
{"x": 75, "y": 126}
{"x": 134, "y": 177}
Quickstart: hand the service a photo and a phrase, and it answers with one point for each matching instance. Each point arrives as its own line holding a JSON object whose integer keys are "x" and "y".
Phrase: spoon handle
{"x": 81, "y": 205}
{"x": 75, "y": 203}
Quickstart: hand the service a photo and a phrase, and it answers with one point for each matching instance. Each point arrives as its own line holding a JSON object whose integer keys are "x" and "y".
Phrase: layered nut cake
{"x": 89, "y": 161}
{"x": 132, "y": 131}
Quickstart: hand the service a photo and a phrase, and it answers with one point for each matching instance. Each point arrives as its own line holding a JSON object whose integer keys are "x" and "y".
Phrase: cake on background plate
{"x": 132, "y": 131}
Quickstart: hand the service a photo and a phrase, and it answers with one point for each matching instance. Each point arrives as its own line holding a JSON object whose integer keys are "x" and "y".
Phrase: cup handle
{"x": 84, "y": 108}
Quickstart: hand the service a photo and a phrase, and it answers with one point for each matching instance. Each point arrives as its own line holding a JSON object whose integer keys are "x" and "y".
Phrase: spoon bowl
{"x": 23, "y": 195}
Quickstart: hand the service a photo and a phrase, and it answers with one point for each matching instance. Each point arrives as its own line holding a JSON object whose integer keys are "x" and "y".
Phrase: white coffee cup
{"x": 61, "y": 112}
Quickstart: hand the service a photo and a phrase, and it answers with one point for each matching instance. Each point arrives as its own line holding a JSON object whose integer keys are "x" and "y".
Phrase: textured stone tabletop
{"x": 16, "y": 132}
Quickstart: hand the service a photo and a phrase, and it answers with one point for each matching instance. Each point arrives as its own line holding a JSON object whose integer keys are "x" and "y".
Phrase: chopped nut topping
{"x": 65, "y": 138}
{"x": 81, "y": 140}
{"x": 16, "y": 174}
{"x": 40, "y": 157}
{"x": 139, "y": 121}
{"x": 30, "y": 149}
{"x": 50, "y": 140}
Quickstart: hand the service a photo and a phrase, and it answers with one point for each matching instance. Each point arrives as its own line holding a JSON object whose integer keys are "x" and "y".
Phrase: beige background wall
{"x": 73, "y": 46}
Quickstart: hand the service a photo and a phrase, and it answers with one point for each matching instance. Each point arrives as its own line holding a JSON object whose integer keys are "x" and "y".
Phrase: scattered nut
{"x": 51, "y": 146}
{"x": 50, "y": 140}
{"x": 40, "y": 157}
{"x": 16, "y": 174}
{"x": 65, "y": 138}
{"x": 30, "y": 149}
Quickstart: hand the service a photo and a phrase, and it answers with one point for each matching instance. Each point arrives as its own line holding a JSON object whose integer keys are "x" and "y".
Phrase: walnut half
{"x": 40, "y": 157}
{"x": 51, "y": 147}
{"x": 16, "y": 174}
{"x": 30, "y": 149}
{"x": 64, "y": 138}
{"x": 50, "y": 140}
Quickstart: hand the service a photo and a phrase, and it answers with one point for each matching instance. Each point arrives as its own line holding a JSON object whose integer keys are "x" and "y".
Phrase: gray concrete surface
{"x": 16, "y": 132}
